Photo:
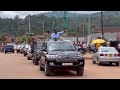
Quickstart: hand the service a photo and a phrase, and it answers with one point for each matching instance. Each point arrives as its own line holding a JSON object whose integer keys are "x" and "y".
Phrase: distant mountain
{"x": 60, "y": 14}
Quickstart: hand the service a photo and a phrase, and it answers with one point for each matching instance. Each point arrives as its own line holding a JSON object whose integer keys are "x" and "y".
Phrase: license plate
{"x": 67, "y": 64}
{"x": 110, "y": 55}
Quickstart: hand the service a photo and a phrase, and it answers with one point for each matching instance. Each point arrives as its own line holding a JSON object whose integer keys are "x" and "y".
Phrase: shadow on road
{"x": 113, "y": 65}
{"x": 64, "y": 73}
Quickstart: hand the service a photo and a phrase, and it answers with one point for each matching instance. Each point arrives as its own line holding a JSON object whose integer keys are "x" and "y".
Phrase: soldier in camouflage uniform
{"x": 32, "y": 39}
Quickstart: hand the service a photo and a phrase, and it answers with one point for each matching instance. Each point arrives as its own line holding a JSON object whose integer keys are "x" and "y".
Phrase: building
{"x": 110, "y": 33}
{"x": 12, "y": 39}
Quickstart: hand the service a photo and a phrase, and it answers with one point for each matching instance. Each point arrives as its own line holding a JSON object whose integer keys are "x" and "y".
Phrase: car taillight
{"x": 101, "y": 54}
{"x": 118, "y": 55}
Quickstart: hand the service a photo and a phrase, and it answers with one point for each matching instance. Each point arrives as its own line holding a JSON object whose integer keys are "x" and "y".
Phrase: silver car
{"x": 106, "y": 55}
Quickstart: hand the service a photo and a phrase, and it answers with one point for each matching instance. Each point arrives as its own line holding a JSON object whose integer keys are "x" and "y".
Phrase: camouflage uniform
{"x": 31, "y": 42}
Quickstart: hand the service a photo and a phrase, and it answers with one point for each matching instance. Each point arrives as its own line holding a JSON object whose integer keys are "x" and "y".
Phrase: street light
{"x": 43, "y": 27}
{"x": 88, "y": 29}
{"x": 65, "y": 22}
{"x": 102, "y": 24}
{"x": 53, "y": 21}
{"x": 29, "y": 25}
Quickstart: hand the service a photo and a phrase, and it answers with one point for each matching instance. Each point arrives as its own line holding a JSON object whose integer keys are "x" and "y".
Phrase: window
{"x": 108, "y": 49}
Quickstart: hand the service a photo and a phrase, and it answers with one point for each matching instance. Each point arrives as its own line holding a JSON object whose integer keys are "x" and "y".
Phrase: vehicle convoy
{"x": 9, "y": 48}
{"x": 106, "y": 55}
{"x": 36, "y": 52}
{"x": 60, "y": 55}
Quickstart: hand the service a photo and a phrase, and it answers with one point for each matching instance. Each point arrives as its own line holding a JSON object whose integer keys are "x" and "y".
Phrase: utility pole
{"x": 76, "y": 20}
{"x": 43, "y": 27}
{"x": 65, "y": 22}
{"x": 29, "y": 25}
{"x": 89, "y": 23}
{"x": 88, "y": 29}
{"x": 102, "y": 24}
{"x": 76, "y": 25}
{"x": 83, "y": 29}
{"x": 53, "y": 21}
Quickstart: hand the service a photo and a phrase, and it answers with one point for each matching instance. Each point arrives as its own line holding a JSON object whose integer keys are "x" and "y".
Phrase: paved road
{"x": 16, "y": 66}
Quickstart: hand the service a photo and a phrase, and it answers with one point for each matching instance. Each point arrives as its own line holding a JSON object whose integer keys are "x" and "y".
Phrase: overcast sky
{"x": 22, "y": 14}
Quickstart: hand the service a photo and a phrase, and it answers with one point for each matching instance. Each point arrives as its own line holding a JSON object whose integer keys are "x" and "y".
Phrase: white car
{"x": 18, "y": 48}
{"x": 106, "y": 55}
{"x": 25, "y": 49}
{"x": 15, "y": 46}
{"x": 29, "y": 54}
{"x": 22, "y": 48}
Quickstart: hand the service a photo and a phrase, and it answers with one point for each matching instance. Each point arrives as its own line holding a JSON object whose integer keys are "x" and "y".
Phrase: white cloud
{"x": 22, "y": 14}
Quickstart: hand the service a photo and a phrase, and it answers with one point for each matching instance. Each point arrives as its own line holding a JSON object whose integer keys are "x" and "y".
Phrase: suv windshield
{"x": 61, "y": 46}
{"x": 9, "y": 46}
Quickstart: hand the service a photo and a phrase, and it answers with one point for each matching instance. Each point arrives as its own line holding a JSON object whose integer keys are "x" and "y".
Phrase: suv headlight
{"x": 51, "y": 56}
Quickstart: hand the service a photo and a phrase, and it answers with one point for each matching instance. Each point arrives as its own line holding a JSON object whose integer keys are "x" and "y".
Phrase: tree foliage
{"x": 19, "y": 27}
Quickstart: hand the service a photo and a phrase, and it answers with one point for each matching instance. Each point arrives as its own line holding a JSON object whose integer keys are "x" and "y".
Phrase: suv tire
{"x": 80, "y": 71}
{"x": 35, "y": 61}
{"x": 17, "y": 51}
{"x": 117, "y": 64}
{"x": 25, "y": 54}
{"x": 47, "y": 69}
{"x": 29, "y": 58}
{"x": 5, "y": 52}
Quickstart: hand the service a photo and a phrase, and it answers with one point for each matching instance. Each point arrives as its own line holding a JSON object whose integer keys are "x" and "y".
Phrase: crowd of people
{"x": 109, "y": 43}
{"x": 95, "y": 47}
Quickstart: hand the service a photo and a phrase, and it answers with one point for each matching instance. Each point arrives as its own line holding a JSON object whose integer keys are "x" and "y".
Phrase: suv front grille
{"x": 66, "y": 58}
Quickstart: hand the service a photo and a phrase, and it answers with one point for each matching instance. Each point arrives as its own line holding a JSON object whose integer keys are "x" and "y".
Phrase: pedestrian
{"x": 84, "y": 47}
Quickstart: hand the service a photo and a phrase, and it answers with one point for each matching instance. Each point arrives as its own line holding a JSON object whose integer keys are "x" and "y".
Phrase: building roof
{"x": 107, "y": 29}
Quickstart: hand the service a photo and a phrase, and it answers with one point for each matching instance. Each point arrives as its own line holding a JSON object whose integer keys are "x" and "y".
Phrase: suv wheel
{"x": 80, "y": 71}
{"x": 5, "y": 52}
{"x": 117, "y": 64}
{"x": 40, "y": 67}
{"x": 29, "y": 58}
{"x": 47, "y": 69}
{"x": 35, "y": 61}
{"x": 24, "y": 54}
{"x": 17, "y": 51}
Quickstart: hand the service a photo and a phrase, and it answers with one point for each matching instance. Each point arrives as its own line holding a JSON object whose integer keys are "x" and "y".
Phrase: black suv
{"x": 60, "y": 55}
{"x": 36, "y": 52}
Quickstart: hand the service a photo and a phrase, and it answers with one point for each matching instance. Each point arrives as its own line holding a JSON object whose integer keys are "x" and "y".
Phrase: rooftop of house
{"x": 107, "y": 29}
